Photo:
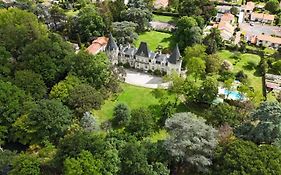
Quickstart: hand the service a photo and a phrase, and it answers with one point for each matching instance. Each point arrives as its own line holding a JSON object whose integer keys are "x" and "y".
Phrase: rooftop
{"x": 97, "y": 44}
{"x": 263, "y": 16}
{"x": 269, "y": 38}
{"x": 227, "y": 17}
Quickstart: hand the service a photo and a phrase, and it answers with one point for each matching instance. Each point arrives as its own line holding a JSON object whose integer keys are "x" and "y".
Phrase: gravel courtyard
{"x": 145, "y": 80}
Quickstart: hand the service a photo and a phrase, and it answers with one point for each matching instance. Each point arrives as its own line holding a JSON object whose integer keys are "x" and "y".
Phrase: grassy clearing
{"x": 162, "y": 18}
{"x": 255, "y": 80}
{"x": 154, "y": 39}
{"x": 133, "y": 96}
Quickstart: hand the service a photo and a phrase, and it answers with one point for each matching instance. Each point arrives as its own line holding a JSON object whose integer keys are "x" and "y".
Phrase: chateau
{"x": 142, "y": 58}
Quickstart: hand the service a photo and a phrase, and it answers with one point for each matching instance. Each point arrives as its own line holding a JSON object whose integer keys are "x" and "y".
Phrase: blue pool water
{"x": 233, "y": 95}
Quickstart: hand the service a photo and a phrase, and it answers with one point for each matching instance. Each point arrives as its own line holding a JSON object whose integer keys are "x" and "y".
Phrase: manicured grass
{"x": 133, "y": 96}
{"x": 154, "y": 39}
{"x": 254, "y": 80}
{"x": 162, "y": 18}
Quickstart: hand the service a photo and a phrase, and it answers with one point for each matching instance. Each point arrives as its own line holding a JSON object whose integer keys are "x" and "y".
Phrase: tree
{"x": 188, "y": 32}
{"x": 124, "y": 32}
{"x": 223, "y": 113}
{"x": 196, "y": 51}
{"x": 276, "y": 67}
{"x": 84, "y": 98}
{"x": 25, "y": 164}
{"x": 244, "y": 157}
{"x": 87, "y": 25}
{"x": 46, "y": 56}
{"x": 84, "y": 164}
{"x": 191, "y": 142}
{"x": 58, "y": 17}
{"x": 272, "y": 6}
{"x": 196, "y": 67}
{"x": 18, "y": 28}
{"x": 12, "y": 105}
{"x": 234, "y": 10}
{"x": 121, "y": 115}
{"x": 213, "y": 41}
{"x": 141, "y": 123}
{"x": 191, "y": 91}
{"x": 116, "y": 7}
{"x": 209, "y": 90}
{"x": 213, "y": 64}
{"x": 142, "y": 17}
{"x": 31, "y": 83}
{"x": 48, "y": 120}
{"x": 203, "y": 8}
{"x": 92, "y": 68}
{"x": 89, "y": 122}
{"x": 6, "y": 160}
{"x": 62, "y": 89}
{"x": 5, "y": 63}
{"x": 264, "y": 124}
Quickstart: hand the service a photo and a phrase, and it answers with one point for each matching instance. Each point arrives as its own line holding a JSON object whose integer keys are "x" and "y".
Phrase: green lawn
{"x": 153, "y": 39}
{"x": 133, "y": 96}
{"x": 255, "y": 80}
{"x": 162, "y": 18}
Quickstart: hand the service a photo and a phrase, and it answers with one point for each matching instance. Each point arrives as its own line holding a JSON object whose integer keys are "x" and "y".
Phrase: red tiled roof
{"x": 268, "y": 38}
{"x": 227, "y": 17}
{"x": 262, "y": 16}
{"x": 97, "y": 44}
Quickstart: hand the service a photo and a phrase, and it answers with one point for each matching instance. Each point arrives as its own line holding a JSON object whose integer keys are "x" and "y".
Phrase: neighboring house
{"x": 228, "y": 17}
{"x": 267, "y": 41}
{"x": 262, "y": 17}
{"x": 223, "y": 8}
{"x": 273, "y": 82}
{"x": 226, "y": 29}
{"x": 249, "y": 7}
{"x": 143, "y": 59}
{"x": 98, "y": 45}
{"x": 161, "y": 4}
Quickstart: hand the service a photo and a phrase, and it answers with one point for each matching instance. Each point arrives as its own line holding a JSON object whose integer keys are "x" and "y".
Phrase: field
{"x": 133, "y": 96}
{"x": 162, "y": 18}
{"x": 243, "y": 64}
{"x": 154, "y": 39}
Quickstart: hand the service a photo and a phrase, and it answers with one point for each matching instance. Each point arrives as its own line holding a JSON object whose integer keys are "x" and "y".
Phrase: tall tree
{"x": 272, "y": 6}
{"x": 142, "y": 17}
{"x": 264, "y": 125}
{"x": 5, "y": 63}
{"x": 116, "y": 7}
{"x": 19, "y": 28}
{"x": 124, "y": 32}
{"x": 213, "y": 41}
{"x": 141, "y": 123}
{"x": 84, "y": 98}
{"x": 92, "y": 68}
{"x": 209, "y": 90}
{"x": 48, "y": 120}
{"x": 26, "y": 165}
{"x": 87, "y": 25}
{"x": 31, "y": 83}
{"x": 46, "y": 56}
{"x": 196, "y": 67}
{"x": 213, "y": 64}
{"x": 191, "y": 143}
{"x": 203, "y": 8}
{"x": 188, "y": 32}
{"x": 121, "y": 115}
{"x": 244, "y": 157}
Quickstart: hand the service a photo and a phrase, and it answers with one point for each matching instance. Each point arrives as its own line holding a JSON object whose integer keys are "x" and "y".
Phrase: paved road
{"x": 145, "y": 80}
{"x": 258, "y": 29}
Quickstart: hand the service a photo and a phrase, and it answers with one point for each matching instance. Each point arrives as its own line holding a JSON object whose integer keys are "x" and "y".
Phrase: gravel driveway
{"x": 145, "y": 80}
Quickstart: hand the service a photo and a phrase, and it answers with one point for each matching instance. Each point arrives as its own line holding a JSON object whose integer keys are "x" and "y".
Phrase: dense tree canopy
{"x": 46, "y": 56}
{"x": 121, "y": 115}
{"x": 213, "y": 41}
{"x": 264, "y": 126}
{"x": 141, "y": 17}
{"x": 19, "y": 28}
{"x": 87, "y": 25}
{"x": 191, "y": 142}
{"x": 188, "y": 32}
{"x": 31, "y": 83}
{"x": 124, "y": 32}
{"x": 92, "y": 68}
{"x": 244, "y": 157}
{"x": 272, "y": 6}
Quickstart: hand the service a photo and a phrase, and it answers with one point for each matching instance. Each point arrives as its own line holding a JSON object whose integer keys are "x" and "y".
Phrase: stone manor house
{"x": 142, "y": 58}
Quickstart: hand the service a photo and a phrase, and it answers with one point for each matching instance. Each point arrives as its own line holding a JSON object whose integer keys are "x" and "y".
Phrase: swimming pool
{"x": 233, "y": 95}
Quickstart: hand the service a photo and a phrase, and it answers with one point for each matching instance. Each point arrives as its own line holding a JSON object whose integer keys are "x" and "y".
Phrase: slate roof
{"x": 130, "y": 51}
{"x": 143, "y": 50}
{"x": 111, "y": 45}
{"x": 175, "y": 56}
